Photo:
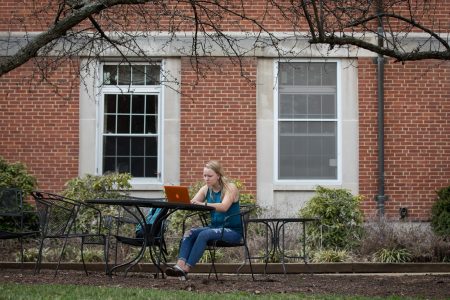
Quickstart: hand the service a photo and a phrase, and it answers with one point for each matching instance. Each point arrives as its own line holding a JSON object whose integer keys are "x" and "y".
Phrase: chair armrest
{"x": 244, "y": 215}
{"x": 201, "y": 215}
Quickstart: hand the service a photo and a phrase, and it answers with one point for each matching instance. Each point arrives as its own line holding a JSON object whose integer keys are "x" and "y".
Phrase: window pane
{"x": 151, "y": 146}
{"x": 123, "y": 104}
{"x": 110, "y": 124}
{"x": 124, "y": 75}
{"x": 285, "y": 74}
{"x": 123, "y": 165}
{"x": 151, "y": 124}
{"x": 300, "y": 107}
{"x": 110, "y": 104}
{"x": 123, "y": 124}
{"x": 137, "y": 167}
{"x": 315, "y": 74}
{"x": 300, "y": 74}
{"x": 123, "y": 146}
{"x": 286, "y": 128}
{"x": 109, "y": 75}
{"x": 138, "y": 105}
{"x": 152, "y": 104}
{"x": 137, "y": 124}
{"x": 109, "y": 164}
{"x": 153, "y": 74}
{"x": 286, "y": 106}
{"x": 314, "y": 106}
{"x": 300, "y": 128}
{"x": 329, "y": 76}
{"x": 109, "y": 146}
{"x": 328, "y": 106}
{"x": 286, "y": 168}
{"x": 151, "y": 167}
{"x": 138, "y": 75}
{"x": 138, "y": 146}
{"x": 300, "y": 167}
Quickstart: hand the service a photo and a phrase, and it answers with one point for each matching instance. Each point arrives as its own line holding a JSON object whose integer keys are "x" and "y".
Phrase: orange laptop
{"x": 178, "y": 194}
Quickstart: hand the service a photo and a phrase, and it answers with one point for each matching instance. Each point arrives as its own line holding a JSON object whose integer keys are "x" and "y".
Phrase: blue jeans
{"x": 194, "y": 242}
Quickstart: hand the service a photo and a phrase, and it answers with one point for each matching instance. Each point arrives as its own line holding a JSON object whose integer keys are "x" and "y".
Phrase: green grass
{"x": 66, "y": 292}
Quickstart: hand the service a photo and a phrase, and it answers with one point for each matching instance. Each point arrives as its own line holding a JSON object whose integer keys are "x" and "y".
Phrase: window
{"x": 131, "y": 122}
{"x": 307, "y": 121}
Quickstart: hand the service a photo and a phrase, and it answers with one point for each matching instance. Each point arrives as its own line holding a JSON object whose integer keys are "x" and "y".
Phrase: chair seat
{"x": 93, "y": 239}
{"x": 4, "y": 235}
{"x": 136, "y": 241}
{"x": 221, "y": 243}
{"x": 129, "y": 240}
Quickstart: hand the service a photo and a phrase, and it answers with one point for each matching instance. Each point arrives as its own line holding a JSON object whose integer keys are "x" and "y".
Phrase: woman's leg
{"x": 203, "y": 236}
{"x": 187, "y": 243}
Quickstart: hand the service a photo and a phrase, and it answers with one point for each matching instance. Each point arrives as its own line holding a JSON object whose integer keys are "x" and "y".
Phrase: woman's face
{"x": 210, "y": 177}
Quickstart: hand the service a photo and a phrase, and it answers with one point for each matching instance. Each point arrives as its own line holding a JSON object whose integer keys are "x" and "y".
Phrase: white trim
{"x": 309, "y": 184}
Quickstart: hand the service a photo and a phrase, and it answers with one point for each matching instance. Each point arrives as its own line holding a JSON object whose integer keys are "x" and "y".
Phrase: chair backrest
{"x": 11, "y": 202}
{"x": 56, "y": 213}
{"x": 11, "y": 211}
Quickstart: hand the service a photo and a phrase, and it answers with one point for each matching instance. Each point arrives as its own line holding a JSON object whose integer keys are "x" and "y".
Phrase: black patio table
{"x": 150, "y": 203}
{"x": 276, "y": 227}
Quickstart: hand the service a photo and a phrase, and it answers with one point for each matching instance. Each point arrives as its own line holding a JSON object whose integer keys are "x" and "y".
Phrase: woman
{"x": 224, "y": 197}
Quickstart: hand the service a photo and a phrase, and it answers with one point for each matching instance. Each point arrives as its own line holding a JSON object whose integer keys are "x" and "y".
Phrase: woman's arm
{"x": 227, "y": 200}
{"x": 199, "y": 198}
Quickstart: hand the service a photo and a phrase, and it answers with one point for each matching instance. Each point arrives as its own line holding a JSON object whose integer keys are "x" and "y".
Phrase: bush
{"x": 392, "y": 255}
{"x": 440, "y": 213}
{"x": 330, "y": 255}
{"x": 340, "y": 217}
{"x": 15, "y": 175}
{"x": 111, "y": 185}
{"x": 108, "y": 186}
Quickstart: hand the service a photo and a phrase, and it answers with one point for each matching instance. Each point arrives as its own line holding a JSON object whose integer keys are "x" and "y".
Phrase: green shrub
{"x": 340, "y": 217}
{"x": 330, "y": 255}
{"x": 392, "y": 255}
{"x": 111, "y": 185}
{"x": 15, "y": 175}
{"x": 108, "y": 186}
{"x": 440, "y": 213}
{"x": 29, "y": 255}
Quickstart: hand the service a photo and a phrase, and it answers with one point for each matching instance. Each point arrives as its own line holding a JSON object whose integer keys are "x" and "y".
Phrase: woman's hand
{"x": 200, "y": 196}
{"x": 193, "y": 201}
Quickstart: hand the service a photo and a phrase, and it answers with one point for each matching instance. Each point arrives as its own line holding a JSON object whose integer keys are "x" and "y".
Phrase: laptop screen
{"x": 178, "y": 194}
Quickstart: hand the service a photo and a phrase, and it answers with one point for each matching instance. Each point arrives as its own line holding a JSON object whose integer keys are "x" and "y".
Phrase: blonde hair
{"x": 216, "y": 167}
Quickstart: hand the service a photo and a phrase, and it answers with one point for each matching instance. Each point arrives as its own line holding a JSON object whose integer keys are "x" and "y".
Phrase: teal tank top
{"x": 218, "y": 218}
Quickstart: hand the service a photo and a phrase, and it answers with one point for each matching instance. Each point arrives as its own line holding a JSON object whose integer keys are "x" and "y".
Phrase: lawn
{"x": 73, "y": 292}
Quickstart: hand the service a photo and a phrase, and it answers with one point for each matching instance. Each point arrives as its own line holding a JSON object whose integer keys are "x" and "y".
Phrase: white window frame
{"x": 127, "y": 89}
{"x": 308, "y": 182}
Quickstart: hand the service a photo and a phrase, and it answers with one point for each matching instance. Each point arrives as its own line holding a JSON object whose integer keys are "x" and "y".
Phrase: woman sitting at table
{"x": 223, "y": 195}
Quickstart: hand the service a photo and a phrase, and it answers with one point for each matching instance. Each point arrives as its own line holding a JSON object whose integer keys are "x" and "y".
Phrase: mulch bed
{"x": 429, "y": 286}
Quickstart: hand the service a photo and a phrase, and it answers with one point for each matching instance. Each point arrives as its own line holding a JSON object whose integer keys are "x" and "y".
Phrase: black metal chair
{"x": 58, "y": 220}
{"x": 212, "y": 246}
{"x": 125, "y": 228}
{"x": 13, "y": 215}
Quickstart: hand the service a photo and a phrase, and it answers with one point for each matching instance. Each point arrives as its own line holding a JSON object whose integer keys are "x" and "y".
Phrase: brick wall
{"x": 36, "y": 15}
{"x": 39, "y": 124}
{"x": 417, "y": 130}
{"x": 218, "y": 119}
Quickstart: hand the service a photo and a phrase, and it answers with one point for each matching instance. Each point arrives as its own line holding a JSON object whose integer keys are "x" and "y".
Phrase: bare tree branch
{"x": 411, "y": 29}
